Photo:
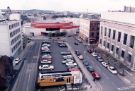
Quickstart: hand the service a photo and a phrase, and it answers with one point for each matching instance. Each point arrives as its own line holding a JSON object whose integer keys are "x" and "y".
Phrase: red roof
{"x": 62, "y": 25}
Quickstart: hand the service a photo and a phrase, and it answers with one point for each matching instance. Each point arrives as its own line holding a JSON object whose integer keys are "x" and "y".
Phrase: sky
{"x": 68, "y": 5}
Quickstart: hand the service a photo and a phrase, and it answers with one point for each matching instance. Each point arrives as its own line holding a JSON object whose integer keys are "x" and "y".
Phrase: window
{"x": 108, "y": 45}
{"x": 112, "y": 48}
{"x": 104, "y": 43}
{"x": 129, "y": 58}
{"x": 132, "y": 40}
{"x": 125, "y": 39}
{"x": 122, "y": 54}
{"x": 101, "y": 30}
{"x": 117, "y": 50}
{"x": 105, "y": 31}
{"x": 109, "y": 33}
{"x": 100, "y": 41}
{"x": 114, "y": 32}
{"x": 119, "y": 36}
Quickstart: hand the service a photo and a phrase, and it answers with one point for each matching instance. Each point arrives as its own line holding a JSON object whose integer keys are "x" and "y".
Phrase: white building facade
{"x": 10, "y": 38}
{"x": 117, "y": 36}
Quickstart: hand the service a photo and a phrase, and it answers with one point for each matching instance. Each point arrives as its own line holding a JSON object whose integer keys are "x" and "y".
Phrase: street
{"x": 27, "y": 76}
{"x": 109, "y": 81}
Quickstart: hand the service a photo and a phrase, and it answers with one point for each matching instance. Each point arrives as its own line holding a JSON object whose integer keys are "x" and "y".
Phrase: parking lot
{"x": 59, "y": 61}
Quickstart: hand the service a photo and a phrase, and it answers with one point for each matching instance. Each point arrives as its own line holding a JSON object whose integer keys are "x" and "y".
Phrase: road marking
{"x": 125, "y": 80}
{"x": 28, "y": 82}
{"x": 129, "y": 73}
{"x": 126, "y": 88}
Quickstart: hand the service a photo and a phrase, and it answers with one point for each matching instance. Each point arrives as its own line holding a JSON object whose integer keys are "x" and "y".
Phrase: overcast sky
{"x": 67, "y": 5}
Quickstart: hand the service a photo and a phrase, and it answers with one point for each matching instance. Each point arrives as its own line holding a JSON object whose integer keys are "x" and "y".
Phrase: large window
{"x": 125, "y": 39}
{"x": 114, "y": 32}
{"x": 129, "y": 58}
{"x": 108, "y": 45}
{"x": 119, "y": 36}
{"x": 104, "y": 43}
{"x": 101, "y": 30}
{"x": 105, "y": 31}
{"x": 117, "y": 50}
{"x": 122, "y": 53}
{"x": 132, "y": 41}
{"x": 109, "y": 33}
{"x": 112, "y": 48}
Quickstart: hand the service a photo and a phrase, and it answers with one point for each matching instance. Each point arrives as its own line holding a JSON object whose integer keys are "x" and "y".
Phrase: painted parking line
{"x": 128, "y": 73}
{"x": 127, "y": 81}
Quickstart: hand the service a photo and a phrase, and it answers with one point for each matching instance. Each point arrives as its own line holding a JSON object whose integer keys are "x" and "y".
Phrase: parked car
{"x": 95, "y": 75}
{"x": 68, "y": 57}
{"x": 86, "y": 63}
{"x": 46, "y": 61}
{"x": 16, "y": 61}
{"x": 112, "y": 69}
{"x": 80, "y": 57}
{"x": 64, "y": 61}
{"x": 90, "y": 68}
{"x": 100, "y": 59}
{"x": 89, "y": 50}
{"x": 75, "y": 43}
{"x": 65, "y": 53}
{"x": 94, "y": 54}
{"x": 46, "y": 67}
{"x": 77, "y": 52}
{"x": 104, "y": 64}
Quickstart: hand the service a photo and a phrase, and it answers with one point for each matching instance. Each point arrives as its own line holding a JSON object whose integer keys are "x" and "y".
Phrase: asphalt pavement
{"x": 109, "y": 81}
{"x": 27, "y": 75}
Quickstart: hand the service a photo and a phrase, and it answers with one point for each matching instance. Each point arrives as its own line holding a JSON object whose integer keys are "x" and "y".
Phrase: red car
{"x": 96, "y": 75}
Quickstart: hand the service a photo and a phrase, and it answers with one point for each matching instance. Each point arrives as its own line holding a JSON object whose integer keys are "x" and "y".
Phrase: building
{"x": 129, "y": 9}
{"x": 89, "y": 28}
{"x": 49, "y": 27}
{"x": 117, "y": 36}
{"x": 10, "y": 36}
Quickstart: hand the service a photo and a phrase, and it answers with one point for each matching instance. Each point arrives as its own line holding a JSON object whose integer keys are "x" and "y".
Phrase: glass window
{"x": 122, "y": 53}
{"x": 114, "y": 32}
{"x": 117, "y": 50}
{"x": 125, "y": 39}
{"x": 132, "y": 40}
{"x": 105, "y": 31}
{"x": 109, "y": 33}
{"x": 112, "y": 48}
{"x": 104, "y": 43}
{"x": 119, "y": 36}
{"x": 108, "y": 45}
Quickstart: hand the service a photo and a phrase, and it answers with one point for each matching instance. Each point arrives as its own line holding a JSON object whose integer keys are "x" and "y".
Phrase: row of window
{"x": 13, "y": 25}
{"x": 16, "y": 46}
{"x": 14, "y": 32}
{"x": 132, "y": 38}
{"x": 108, "y": 45}
{"x": 15, "y": 39}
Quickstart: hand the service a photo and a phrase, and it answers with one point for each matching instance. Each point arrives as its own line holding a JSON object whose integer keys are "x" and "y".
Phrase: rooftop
{"x": 123, "y": 17}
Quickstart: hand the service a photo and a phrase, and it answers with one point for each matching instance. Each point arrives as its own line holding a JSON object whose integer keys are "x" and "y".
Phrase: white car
{"x": 71, "y": 64}
{"x": 104, "y": 64}
{"x": 68, "y": 57}
{"x": 112, "y": 69}
{"x": 47, "y": 56}
{"x": 46, "y": 67}
{"x": 80, "y": 57}
{"x": 16, "y": 61}
{"x": 47, "y": 45}
{"x": 46, "y": 61}
{"x": 64, "y": 61}
{"x": 94, "y": 54}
